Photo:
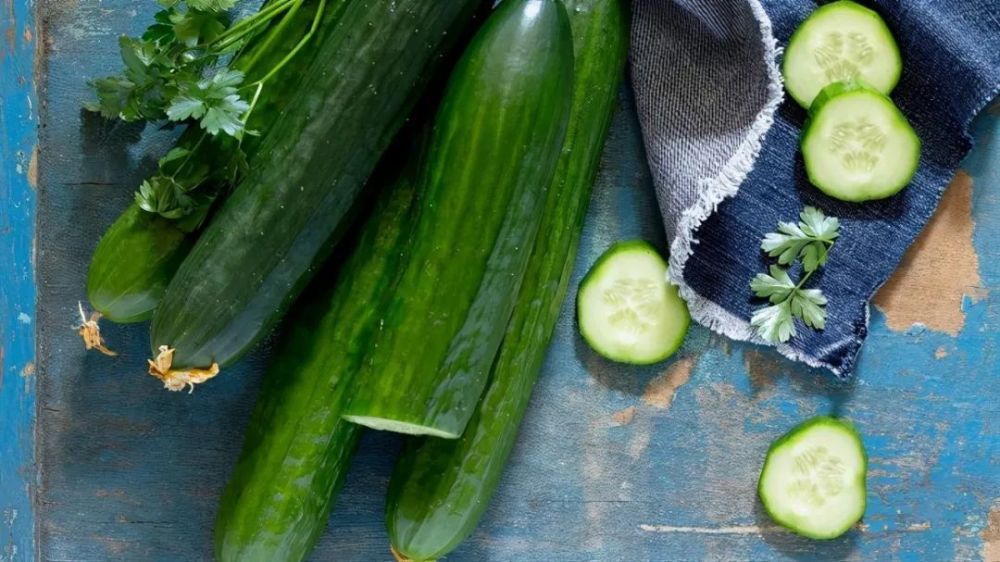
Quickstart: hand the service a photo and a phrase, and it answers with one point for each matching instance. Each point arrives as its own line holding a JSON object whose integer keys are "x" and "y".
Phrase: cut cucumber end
{"x": 857, "y": 145}
{"x": 840, "y": 41}
{"x": 396, "y": 426}
{"x": 814, "y": 479}
{"x": 627, "y": 311}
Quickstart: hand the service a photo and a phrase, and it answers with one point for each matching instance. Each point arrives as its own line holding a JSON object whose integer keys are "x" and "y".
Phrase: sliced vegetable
{"x": 496, "y": 141}
{"x": 441, "y": 487}
{"x": 280, "y": 222}
{"x": 857, "y": 146}
{"x": 627, "y": 310}
{"x": 840, "y": 41}
{"x": 813, "y": 481}
{"x": 297, "y": 448}
{"x": 139, "y": 254}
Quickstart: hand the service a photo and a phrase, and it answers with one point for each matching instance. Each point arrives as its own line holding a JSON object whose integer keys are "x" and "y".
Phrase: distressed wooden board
{"x": 613, "y": 463}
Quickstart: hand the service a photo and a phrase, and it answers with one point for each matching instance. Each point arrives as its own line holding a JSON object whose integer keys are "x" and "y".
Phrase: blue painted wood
{"x": 613, "y": 463}
{"x": 18, "y": 138}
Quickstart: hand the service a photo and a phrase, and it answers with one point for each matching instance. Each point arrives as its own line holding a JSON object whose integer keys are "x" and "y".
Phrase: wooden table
{"x": 97, "y": 463}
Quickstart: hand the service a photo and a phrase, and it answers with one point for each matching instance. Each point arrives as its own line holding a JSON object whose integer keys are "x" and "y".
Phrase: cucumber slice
{"x": 813, "y": 481}
{"x": 857, "y": 145}
{"x": 840, "y": 41}
{"x": 627, "y": 310}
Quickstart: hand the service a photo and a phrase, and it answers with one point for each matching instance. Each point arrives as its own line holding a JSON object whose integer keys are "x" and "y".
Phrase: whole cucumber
{"x": 493, "y": 150}
{"x": 140, "y": 252}
{"x": 262, "y": 246}
{"x": 440, "y": 488}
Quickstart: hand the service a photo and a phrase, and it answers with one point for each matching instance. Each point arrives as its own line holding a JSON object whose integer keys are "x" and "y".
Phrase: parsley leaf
{"x": 211, "y": 5}
{"x": 195, "y": 27}
{"x": 214, "y": 101}
{"x": 809, "y": 242}
{"x": 774, "y": 323}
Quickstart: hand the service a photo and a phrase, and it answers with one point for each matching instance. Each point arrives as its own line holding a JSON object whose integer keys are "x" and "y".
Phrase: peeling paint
{"x": 940, "y": 353}
{"x": 27, "y": 34}
{"x": 938, "y": 271}
{"x": 991, "y": 534}
{"x": 763, "y": 371}
{"x": 623, "y": 417}
{"x": 28, "y": 370}
{"x": 33, "y": 166}
{"x": 24, "y": 318}
{"x": 660, "y": 391}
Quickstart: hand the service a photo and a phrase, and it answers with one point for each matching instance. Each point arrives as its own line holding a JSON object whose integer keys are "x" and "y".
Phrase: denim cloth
{"x": 723, "y": 150}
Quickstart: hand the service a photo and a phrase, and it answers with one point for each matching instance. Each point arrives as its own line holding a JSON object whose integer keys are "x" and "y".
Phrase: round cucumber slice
{"x": 627, "y": 310}
{"x": 813, "y": 481}
{"x": 840, "y": 41}
{"x": 857, "y": 145}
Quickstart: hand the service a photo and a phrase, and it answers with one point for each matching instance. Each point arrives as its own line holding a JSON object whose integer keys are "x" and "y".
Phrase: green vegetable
{"x": 627, "y": 310}
{"x": 813, "y": 481}
{"x": 139, "y": 254}
{"x": 840, "y": 41}
{"x": 809, "y": 241}
{"x": 494, "y": 149}
{"x": 857, "y": 145}
{"x": 441, "y": 487}
{"x": 297, "y": 447}
{"x": 264, "y": 243}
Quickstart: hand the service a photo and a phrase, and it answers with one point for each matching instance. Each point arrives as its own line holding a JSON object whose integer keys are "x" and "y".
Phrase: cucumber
{"x": 140, "y": 252}
{"x": 265, "y": 241}
{"x": 813, "y": 481}
{"x": 627, "y": 310}
{"x": 840, "y": 41}
{"x": 441, "y": 487}
{"x": 857, "y": 145}
{"x": 297, "y": 448}
{"x": 133, "y": 264}
{"x": 496, "y": 141}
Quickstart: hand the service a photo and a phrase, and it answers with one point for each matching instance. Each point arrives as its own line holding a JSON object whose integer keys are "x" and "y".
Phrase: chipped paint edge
{"x": 18, "y": 127}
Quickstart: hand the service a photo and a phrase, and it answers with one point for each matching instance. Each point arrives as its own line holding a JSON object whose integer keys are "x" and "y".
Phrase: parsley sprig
{"x": 809, "y": 241}
{"x": 179, "y": 71}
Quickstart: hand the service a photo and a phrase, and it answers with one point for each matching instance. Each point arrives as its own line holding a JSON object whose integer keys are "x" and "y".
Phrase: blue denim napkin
{"x": 723, "y": 149}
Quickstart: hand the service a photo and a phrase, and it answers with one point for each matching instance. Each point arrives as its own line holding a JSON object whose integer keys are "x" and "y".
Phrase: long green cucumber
{"x": 440, "y": 488}
{"x": 139, "y": 253}
{"x": 297, "y": 447}
{"x": 263, "y": 244}
{"x": 493, "y": 151}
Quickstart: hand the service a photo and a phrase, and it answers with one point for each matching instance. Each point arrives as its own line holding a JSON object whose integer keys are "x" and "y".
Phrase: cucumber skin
{"x": 500, "y": 127}
{"x": 440, "y": 488}
{"x": 595, "y": 270}
{"x": 262, "y": 246}
{"x": 825, "y": 96}
{"x": 297, "y": 448}
{"x": 850, "y": 4}
{"x": 791, "y": 434}
{"x": 133, "y": 264}
{"x": 140, "y": 252}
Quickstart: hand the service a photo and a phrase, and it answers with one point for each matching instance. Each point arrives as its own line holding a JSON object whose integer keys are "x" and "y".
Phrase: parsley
{"x": 178, "y": 71}
{"x": 809, "y": 242}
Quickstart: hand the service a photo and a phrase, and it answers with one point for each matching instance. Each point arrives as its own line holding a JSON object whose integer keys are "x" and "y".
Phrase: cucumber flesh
{"x": 627, "y": 310}
{"x": 813, "y": 481}
{"x": 840, "y": 41}
{"x": 857, "y": 145}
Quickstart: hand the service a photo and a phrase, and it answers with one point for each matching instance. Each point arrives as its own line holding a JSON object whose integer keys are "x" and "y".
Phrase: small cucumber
{"x": 441, "y": 487}
{"x": 493, "y": 152}
{"x": 627, "y": 310}
{"x": 813, "y": 481}
{"x": 840, "y": 41}
{"x": 857, "y": 145}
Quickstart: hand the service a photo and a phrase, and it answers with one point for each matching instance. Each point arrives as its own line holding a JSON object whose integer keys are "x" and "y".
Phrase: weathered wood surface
{"x": 613, "y": 463}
